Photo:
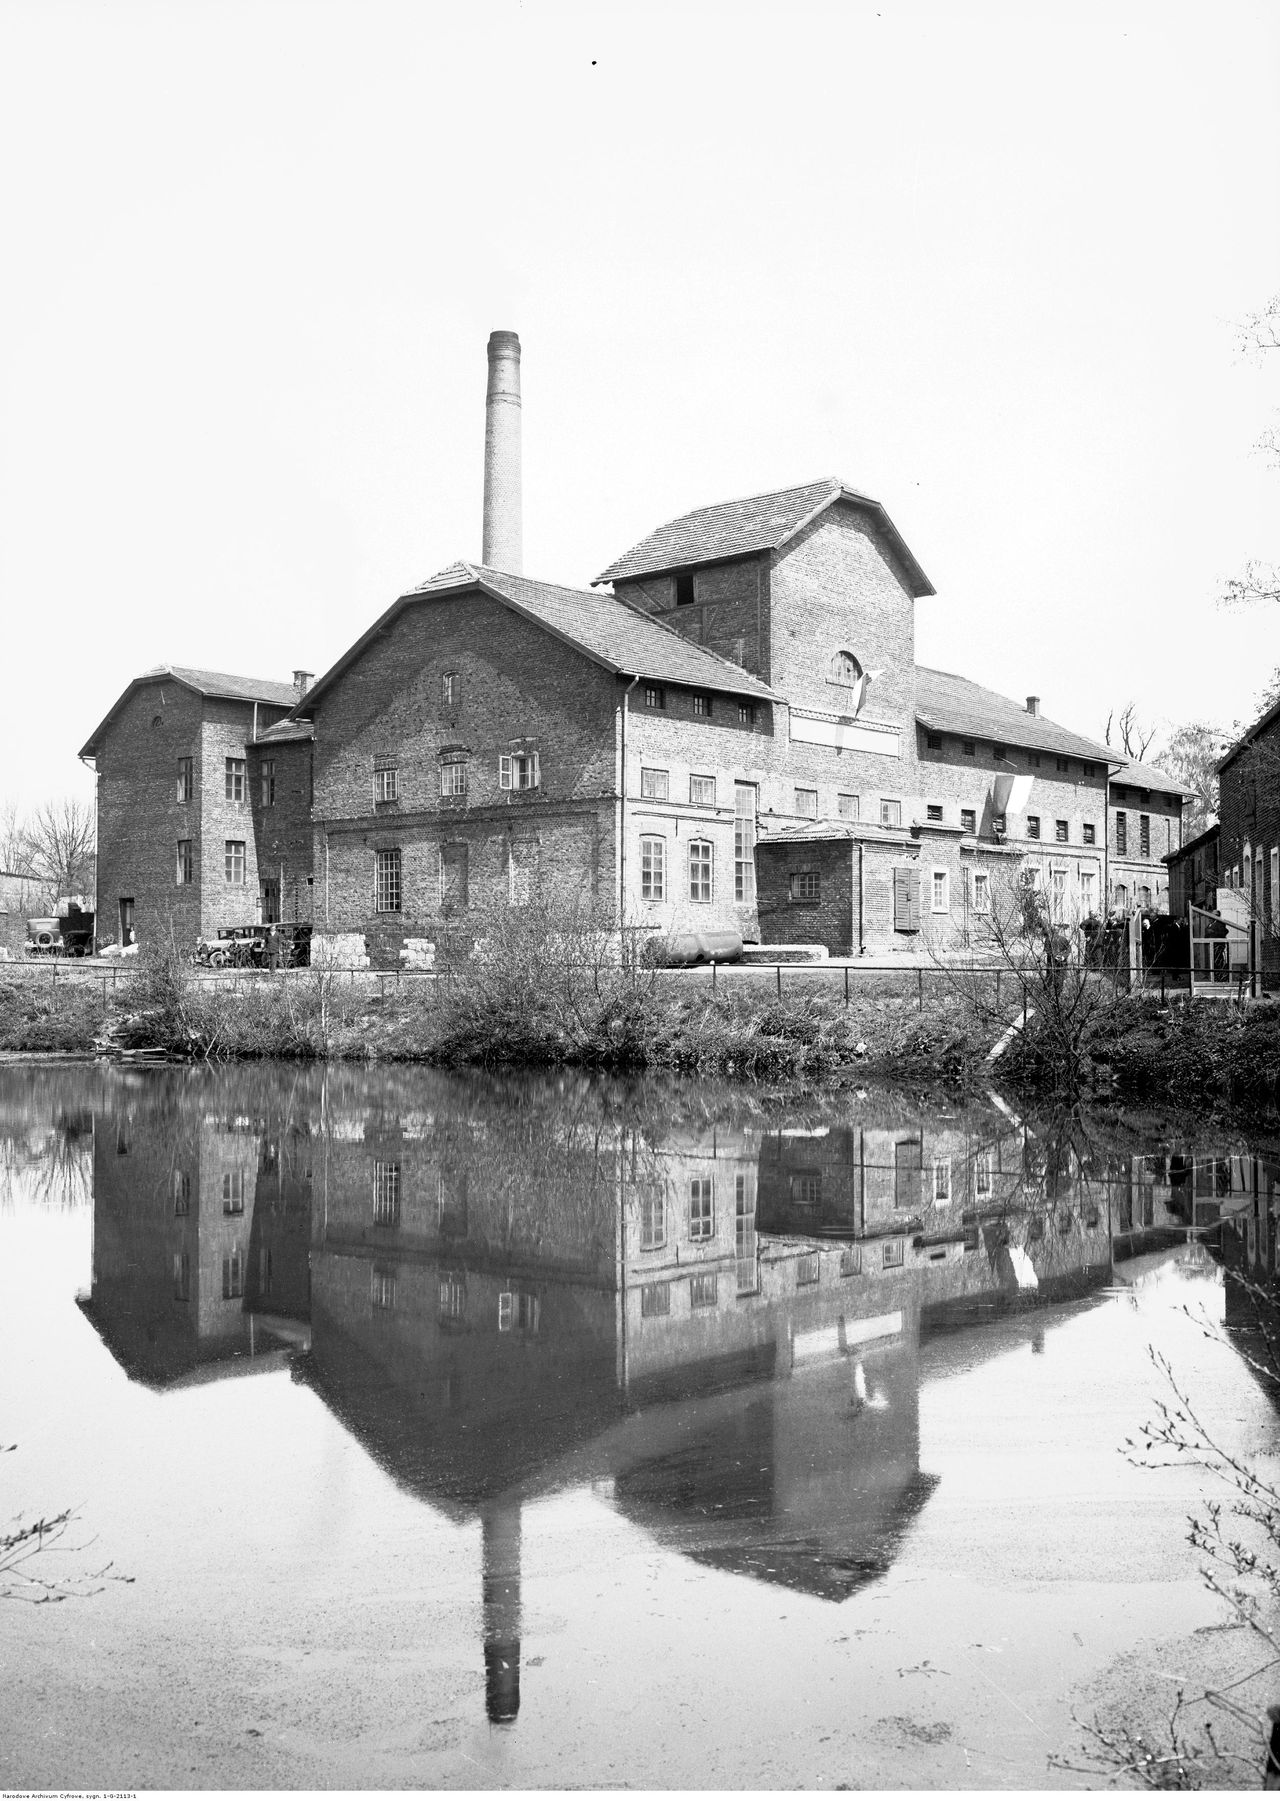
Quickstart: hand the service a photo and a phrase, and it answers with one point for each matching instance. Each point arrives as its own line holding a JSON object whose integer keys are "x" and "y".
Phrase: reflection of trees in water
{"x": 46, "y": 1136}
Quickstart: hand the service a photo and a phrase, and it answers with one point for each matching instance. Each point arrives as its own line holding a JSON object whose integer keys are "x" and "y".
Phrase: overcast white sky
{"x": 983, "y": 261}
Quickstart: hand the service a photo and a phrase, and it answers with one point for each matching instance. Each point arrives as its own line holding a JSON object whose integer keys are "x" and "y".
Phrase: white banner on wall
{"x": 846, "y": 734}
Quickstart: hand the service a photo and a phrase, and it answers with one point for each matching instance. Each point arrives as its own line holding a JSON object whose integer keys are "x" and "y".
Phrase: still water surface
{"x": 464, "y": 1432}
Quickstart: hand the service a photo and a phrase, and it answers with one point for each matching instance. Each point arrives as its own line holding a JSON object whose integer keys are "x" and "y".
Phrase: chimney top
{"x": 504, "y": 343}
{"x": 501, "y": 544}
{"x": 1033, "y": 704}
{"x": 302, "y": 680}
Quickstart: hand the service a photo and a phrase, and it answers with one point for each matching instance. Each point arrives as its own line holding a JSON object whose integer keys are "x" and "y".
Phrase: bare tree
{"x": 1128, "y": 734}
{"x": 60, "y": 837}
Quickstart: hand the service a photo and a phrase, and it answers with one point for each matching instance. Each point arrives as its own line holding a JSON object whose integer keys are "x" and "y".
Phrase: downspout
{"x": 622, "y": 818}
{"x": 862, "y": 899}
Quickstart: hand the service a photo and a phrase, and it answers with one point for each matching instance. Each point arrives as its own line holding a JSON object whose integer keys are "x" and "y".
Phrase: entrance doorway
{"x": 126, "y": 920}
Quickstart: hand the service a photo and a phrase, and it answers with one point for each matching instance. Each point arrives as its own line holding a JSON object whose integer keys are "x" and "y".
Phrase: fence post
{"x": 713, "y": 975}
{"x": 997, "y": 991}
{"x": 919, "y": 990}
{"x": 778, "y": 968}
{"x": 846, "y": 984}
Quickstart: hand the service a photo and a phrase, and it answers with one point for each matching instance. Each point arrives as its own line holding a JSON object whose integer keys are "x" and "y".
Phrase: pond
{"x": 463, "y": 1432}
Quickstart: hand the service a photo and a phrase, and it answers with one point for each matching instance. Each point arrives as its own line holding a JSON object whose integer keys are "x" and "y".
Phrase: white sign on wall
{"x": 846, "y": 734}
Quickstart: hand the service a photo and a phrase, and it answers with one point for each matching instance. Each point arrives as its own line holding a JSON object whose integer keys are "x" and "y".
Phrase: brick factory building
{"x": 728, "y": 731}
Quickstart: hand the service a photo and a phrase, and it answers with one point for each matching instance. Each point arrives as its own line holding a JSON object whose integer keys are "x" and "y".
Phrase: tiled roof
{"x": 1255, "y": 730}
{"x": 739, "y": 528}
{"x": 287, "y": 731}
{"x": 204, "y": 681}
{"x": 1146, "y": 775}
{"x": 611, "y": 633}
{"x": 952, "y": 703}
{"x": 828, "y": 831}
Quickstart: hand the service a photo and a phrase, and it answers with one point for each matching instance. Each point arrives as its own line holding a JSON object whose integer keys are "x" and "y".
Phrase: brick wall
{"x": 282, "y": 830}
{"x": 1249, "y": 812}
{"x": 729, "y": 612}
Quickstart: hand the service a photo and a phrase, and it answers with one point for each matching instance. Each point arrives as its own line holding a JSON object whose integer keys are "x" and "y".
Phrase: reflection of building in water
{"x": 1174, "y": 1190}
{"x": 201, "y": 1234}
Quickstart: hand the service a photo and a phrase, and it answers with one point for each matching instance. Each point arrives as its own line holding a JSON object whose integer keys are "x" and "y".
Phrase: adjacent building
{"x": 1249, "y": 829}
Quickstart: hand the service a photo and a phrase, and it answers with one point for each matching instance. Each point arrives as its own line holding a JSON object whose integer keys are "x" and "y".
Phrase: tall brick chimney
{"x": 1033, "y": 703}
{"x": 302, "y": 680}
{"x": 502, "y": 524}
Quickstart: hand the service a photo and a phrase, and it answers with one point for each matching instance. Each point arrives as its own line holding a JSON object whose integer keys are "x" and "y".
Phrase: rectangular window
{"x": 450, "y": 689}
{"x": 655, "y": 698}
{"x": 267, "y": 781}
{"x": 186, "y": 778}
{"x": 181, "y": 1193}
{"x": 386, "y": 1194}
{"x": 1089, "y": 891}
{"x": 940, "y": 892}
{"x": 893, "y": 1253}
{"x": 385, "y": 782}
{"x": 453, "y": 877}
{"x": 1060, "y": 831}
{"x": 233, "y": 861}
{"x": 453, "y": 778}
{"x": 234, "y": 778}
{"x": 807, "y": 1270}
{"x": 702, "y": 791}
{"x": 805, "y": 886}
{"x": 968, "y": 821}
{"x": 653, "y": 869}
{"x": 933, "y": 740}
{"x": 981, "y": 891}
{"x": 517, "y": 1312}
{"x": 746, "y": 713}
{"x": 1064, "y": 765}
{"x": 1033, "y": 758}
{"x": 181, "y": 1276}
{"x": 942, "y": 1182}
{"x": 998, "y": 825}
{"x": 700, "y": 859}
{"x": 1144, "y": 834}
{"x": 653, "y": 1222}
{"x": 1089, "y": 833}
{"x": 655, "y": 1300}
{"x": 1088, "y": 769}
{"x": 933, "y": 813}
{"x": 807, "y": 803}
{"x": 891, "y": 812}
{"x": 982, "y": 1175}
{"x": 1033, "y": 825}
{"x": 186, "y": 862}
{"x": 452, "y": 1294}
{"x": 847, "y": 806}
{"x": 1058, "y": 893}
{"x": 1000, "y": 752}
{"x": 851, "y": 1260}
{"x": 746, "y": 1247}
{"x": 382, "y": 1289}
{"x": 519, "y": 770}
{"x": 233, "y": 1276}
{"x": 805, "y": 1188}
{"x": 386, "y": 881}
{"x": 702, "y": 706}
{"x": 744, "y": 841}
{"x": 968, "y": 746}
{"x": 233, "y": 1191}
{"x": 906, "y": 900}
{"x": 1122, "y": 835}
{"x": 702, "y": 1209}
{"x": 702, "y": 1289}
{"x": 655, "y": 784}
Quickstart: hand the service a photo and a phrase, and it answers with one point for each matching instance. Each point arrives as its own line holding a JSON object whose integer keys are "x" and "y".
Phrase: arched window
{"x": 845, "y": 669}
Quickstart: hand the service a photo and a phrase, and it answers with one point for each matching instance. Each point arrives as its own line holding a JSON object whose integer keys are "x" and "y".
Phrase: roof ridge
{"x": 738, "y": 500}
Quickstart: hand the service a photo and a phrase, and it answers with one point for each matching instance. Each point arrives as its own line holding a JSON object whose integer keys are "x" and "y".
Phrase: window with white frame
{"x": 519, "y": 770}
{"x": 1275, "y": 887}
{"x": 267, "y": 781}
{"x": 893, "y": 1253}
{"x": 847, "y": 806}
{"x": 450, "y": 687}
{"x": 746, "y": 713}
{"x": 981, "y": 891}
{"x": 386, "y": 1194}
{"x": 891, "y": 812}
{"x": 703, "y": 1289}
{"x": 453, "y": 777}
{"x": 518, "y": 1311}
{"x": 702, "y": 791}
{"x": 655, "y": 784}
{"x": 382, "y": 1289}
{"x": 744, "y": 841}
{"x": 702, "y": 706}
{"x": 653, "y": 1222}
{"x": 233, "y": 1191}
{"x": 653, "y": 869}
{"x": 805, "y": 886}
{"x": 186, "y": 778}
{"x": 968, "y": 820}
{"x": 234, "y": 778}
{"x": 655, "y": 698}
{"x": 702, "y": 1209}
{"x": 807, "y": 803}
{"x": 453, "y": 1294}
{"x": 942, "y": 1182}
{"x": 233, "y": 1276}
{"x": 940, "y": 891}
{"x": 1058, "y": 893}
{"x": 386, "y": 784}
{"x": 982, "y": 1174}
{"x": 233, "y": 861}
{"x": 386, "y": 881}
{"x": 700, "y": 867}
{"x": 1089, "y": 890}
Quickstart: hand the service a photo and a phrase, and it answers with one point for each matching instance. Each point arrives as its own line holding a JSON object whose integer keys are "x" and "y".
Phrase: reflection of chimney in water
{"x": 501, "y": 1527}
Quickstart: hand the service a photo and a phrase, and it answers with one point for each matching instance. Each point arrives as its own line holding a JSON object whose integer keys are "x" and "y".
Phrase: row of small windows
{"x": 701, "y": 706}
{"x": 935, "y": 814}
{"x": 517, "y": 771}
{"x": 518, "y": 1309}
{"x": 235, "y": 780}
{"x": 1000, "y": 754}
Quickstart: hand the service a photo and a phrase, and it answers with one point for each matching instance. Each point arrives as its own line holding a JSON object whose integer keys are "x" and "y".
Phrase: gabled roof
{"x": 618, "y": 637}
{"x": 1146, "y": 775}
{"x": 952, "y": 703}
{"x": 209, "y": 682}
{"x": 738, "y": 528}
{"x": 1254, "y": 731}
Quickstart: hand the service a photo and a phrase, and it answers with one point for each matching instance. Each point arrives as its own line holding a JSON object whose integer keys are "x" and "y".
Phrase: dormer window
{"x": 845, "y": 669}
